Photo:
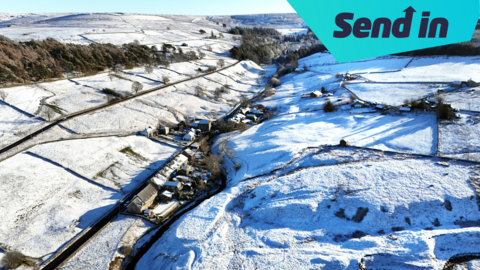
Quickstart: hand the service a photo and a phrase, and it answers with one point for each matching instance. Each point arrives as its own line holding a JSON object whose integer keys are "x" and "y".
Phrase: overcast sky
{"x": 181, "y": 7}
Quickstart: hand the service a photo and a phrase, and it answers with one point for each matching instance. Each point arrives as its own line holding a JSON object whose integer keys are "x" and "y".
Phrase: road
{"x": 101, "y": 107}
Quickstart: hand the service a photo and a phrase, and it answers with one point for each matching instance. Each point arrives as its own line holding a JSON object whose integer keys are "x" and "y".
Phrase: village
{"x": 188, "y": 173}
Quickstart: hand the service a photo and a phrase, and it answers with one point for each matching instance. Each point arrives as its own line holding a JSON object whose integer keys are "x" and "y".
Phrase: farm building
{"x": 143, "y": 200}
{"x": 204, "y": 125}
{"x": 149, "y": 132}
{"x": 185, "y": 170}
{"x": 164, "y": 210}
{"x": 405, "y": 109}
{"x": 164, "y": 130}
{"x": 256, "y": 112}
{"x": 316, "y": 94}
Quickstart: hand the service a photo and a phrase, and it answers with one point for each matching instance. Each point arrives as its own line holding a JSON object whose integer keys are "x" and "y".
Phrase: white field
{"x": 43, "y": 205}
{"x": 275, "y": 142}
{"x": 460, "y": 136}
{"x": 433, "y": 69}
{"x": 295, "y": 221}
{"x": 392, "y": 94}
{"x": 26, "y": 98}
{"x": 463, "y": 100}
{"x": 326, "y": 63}
{"x": 292, "y": 31}
{"x": 14, "y": 124}
{"x": 71, "y": 97}
{"x": 120, "y": 163}
{"x": 136, "y": 115}
{"x": 123, "y": 86}
{"x": 99, "y": 253}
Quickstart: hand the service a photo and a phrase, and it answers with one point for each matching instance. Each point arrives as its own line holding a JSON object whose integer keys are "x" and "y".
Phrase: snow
{"x": 119, "y": 163}
{"x": 433, "y": 69}
{"x": 392, "y": 94}
{"x": 273, "y": 143}
{"x": 26, "y": 98}
{"x": 293, "y": 220}
{"x": 292, "y": 31}
{"x": 463, "y": 100}
{"x": 43, "y": 205}
{"x": 461, "y": 135}
{"x": 104, "y": 247}
{"x": 14, "y": 124}
{"x": 326, "y": 63}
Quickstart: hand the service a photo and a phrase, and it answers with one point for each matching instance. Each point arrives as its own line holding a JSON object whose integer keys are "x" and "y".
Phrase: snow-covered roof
{"x": 181, "y": 158}
{"x": 167, "y": 193}
{"x": 204, "y": 122}
{"x": 159, "y": 179}
{"x": 147, "y": 193}
{"x": 171, "y": 184}
{"x": 405, "y": 109}
{"x": 165, "y": 207}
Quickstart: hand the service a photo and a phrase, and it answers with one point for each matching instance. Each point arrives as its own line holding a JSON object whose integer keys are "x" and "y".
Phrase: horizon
{"x": 187, "y": 7}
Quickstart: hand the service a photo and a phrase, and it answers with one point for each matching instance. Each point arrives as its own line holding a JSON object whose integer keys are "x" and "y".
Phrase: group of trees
{"x": 40, "y": 60}
{"x": 461, "y": 49}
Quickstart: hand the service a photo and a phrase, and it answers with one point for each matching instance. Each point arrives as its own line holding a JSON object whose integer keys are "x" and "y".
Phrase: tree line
{"x": 40, "y": 60}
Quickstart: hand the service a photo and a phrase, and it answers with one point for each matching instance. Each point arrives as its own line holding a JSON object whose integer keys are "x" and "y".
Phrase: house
{"x": 187, "y": 187}
{"x": 316, "y": 94}
{"x": 256, "y": 112}
{"x": 185, "y": 170}
{"x": 432, "y": 100}
{"x": 164, "y": 130}
{"x": 194, "y": 146}
{"x": 188, "y": 153}
{"x": 143, "y": 200}
{"x": 379, "y": 107}
{"x": 359, "y": 103}
{"x": 149, "y": 132}
{"x": 181, "y": 159}
{"x": 456, "y": 84}
{"x": 239, "y": 116}
{"x": 190, "y": 136}
{"x": 247, "y": 121}
{"x": 251, "y": 117}
{"x": 158, "y": 181}
{"x": 204, "y": 125}
{"x": 165, "y": 195}
{"x": 472, "y": 83}
{"x": 172, "y": 186}
{"x": 244, "y": 111}
{"x": 167, "y": 172}
{"x": 405, "y": 109}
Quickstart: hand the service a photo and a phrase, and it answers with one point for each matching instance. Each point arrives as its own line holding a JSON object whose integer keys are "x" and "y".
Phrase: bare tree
{"x": 226, "y": 89}
{"x": 199, "y": 91}
{"x": 221, "y": 63}
{"x": 111, "y": 76}
{"x": 136, "y": 86}
{"x": 149, "y": 69}
{"x": 165, "y": 80}
{"x": 218, "y": 92}
{"x": 213, "y": 164}
{"x": 3, "y": 95}
{"x": 209, "y": 48}
{"x": 48, "y": 112}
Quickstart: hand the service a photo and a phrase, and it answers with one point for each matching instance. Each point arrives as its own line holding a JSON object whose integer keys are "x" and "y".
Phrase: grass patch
{"x": 133, "y": 155}
{"x": 56, "y": 109}
{"x": 120, "y": 77}
{"x": 104, "y": 174}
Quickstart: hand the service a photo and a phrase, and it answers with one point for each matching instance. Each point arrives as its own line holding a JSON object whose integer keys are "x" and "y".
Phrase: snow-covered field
{"x": 271, "y": 145}
{"x": 464, "y": 100}
{"x": 460, "y": 136}
{"x": 392, "y": 94}
{"x": 306, "y": 220}
{"x": 433, "y": 69}
{"x": 108, "y": 244}
{"x": 119, "y": 163}
{"x": 14, "y": 124}
{"x": 43, "y": 205}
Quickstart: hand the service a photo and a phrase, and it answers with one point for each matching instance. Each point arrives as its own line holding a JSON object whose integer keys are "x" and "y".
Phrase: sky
{"x": 179, "y": 7}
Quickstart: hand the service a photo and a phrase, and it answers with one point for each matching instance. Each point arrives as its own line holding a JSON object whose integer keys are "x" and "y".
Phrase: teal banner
{"x": 353, "y": 30}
